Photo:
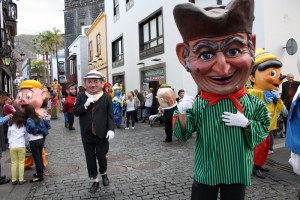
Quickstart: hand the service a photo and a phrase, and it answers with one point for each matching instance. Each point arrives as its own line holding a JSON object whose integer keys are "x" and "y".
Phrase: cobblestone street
{"x": 140, "y": 166}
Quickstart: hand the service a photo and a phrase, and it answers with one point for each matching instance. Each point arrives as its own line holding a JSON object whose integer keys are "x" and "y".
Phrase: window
{"x": 90, "y": 51}
{"x": 61, "y": 65}
{"x": 117, "y": 52}
{"x": 98, "y": 44}
{"x": 151, "y": 35}
{"x": 129, "y": 4}
{"x": 219, "y": 2}
{"x": 116, "y": 10}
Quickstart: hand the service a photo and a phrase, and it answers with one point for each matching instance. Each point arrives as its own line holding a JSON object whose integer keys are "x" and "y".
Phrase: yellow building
{"x": 97, "y": 47}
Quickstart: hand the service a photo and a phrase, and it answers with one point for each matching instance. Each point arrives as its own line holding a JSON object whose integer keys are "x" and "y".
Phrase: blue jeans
{"x": 66, "y": 119}
{"x": 36, "y": 147}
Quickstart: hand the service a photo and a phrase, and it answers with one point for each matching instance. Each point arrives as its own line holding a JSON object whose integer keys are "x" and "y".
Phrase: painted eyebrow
{"x": 227, "y": 42}
{"x": 198, "y": 45}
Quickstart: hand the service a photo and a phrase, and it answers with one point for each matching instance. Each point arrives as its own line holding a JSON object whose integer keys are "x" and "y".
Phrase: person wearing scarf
{"x": 266, "y": 78}
{"x": 96, "y": 119}
{"x": 218, "y": 51}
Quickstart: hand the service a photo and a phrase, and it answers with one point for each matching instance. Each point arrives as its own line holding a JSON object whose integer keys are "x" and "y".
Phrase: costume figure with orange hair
{"x": 265, "y": 78}
{"x": 107, "y": 88}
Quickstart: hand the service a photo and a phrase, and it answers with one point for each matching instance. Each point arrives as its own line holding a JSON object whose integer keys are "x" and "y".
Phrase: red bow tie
{"x": 215, "y": 98}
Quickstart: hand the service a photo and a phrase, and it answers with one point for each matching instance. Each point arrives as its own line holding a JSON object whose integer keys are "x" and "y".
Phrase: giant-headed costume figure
{"x": 32, "y": 93}
{"x": 266, "y": 78}
{"x": 218, "y": 52}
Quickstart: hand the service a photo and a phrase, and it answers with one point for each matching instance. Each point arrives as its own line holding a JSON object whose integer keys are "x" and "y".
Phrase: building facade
{"x": 142, "y": 37}
{"x": 59, "y": 73}
{"x": 78, "y": 59}
{"x": 97, "y": 57}
{"x": 8, "y": 30}
{"x": 78, "y": 14}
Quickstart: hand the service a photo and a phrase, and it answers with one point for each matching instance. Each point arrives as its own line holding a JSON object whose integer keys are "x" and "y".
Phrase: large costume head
{"x": 31, "y": 92}
{"x": 117, "y": 90}
{"x": 165, "y": 96}
{"x": 107, "y": 87}
{"x": 218, "y": 44}
{"x": 93, "y": 82}
{"x": 266, "y": 72}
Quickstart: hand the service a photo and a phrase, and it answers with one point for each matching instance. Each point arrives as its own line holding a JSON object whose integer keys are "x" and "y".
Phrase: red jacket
{"x": 69, "y": 104}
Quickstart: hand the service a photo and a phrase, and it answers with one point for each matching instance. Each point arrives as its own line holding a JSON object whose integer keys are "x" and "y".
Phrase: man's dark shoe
{"x": 71, "y": 129}
{"x": 105, "y": 180}
{"x": 264, "y": 169}
{"x": 5, "y": 180}
{"x": 94, "y": 187}
{"x": 258, "y": 173}
{"x": 2, "y": 177}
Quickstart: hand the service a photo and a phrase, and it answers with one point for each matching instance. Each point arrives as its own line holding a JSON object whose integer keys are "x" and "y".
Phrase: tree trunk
{"x": 44, "y": 74}
{"x": 48, "y": 72}
{"x": 57, "y": 64}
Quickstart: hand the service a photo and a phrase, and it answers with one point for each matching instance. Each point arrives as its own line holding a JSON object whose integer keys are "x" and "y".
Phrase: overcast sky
{"x": 35, "y": 16}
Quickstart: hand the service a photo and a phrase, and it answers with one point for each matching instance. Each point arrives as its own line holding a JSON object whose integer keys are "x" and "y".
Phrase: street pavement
{"x": 140, "y": 166}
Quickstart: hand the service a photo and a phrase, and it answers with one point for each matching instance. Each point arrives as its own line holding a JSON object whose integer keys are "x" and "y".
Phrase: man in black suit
{"x": 289, "y": 89}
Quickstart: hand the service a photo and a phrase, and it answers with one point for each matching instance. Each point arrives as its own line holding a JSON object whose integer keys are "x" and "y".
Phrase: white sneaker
{"x": 127, "y": 128}
{"x": 132, "y": 127}
{"x": 271, "y": 152}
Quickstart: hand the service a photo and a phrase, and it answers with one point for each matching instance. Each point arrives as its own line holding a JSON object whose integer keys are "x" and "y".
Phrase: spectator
{"x": 289, "y": 89}
{"x": 180, "y": 95}
{"x": 8, "y": 109}
{"x": 54, "y": 103}
{"x": 69, "y": 104}
{"x": 140, "y": 96}
{"x": 148, "y": 104}
{"x": 129, "y": 103}
{"x": 3, "y": 97}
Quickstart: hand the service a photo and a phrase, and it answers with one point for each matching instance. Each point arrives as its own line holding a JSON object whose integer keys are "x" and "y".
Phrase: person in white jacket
{"x": 17, "y": 140}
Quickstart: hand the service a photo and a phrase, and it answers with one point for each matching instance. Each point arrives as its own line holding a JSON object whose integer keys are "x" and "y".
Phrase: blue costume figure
{"x": 117, "y": 105}
{"x": 292, "y": 134}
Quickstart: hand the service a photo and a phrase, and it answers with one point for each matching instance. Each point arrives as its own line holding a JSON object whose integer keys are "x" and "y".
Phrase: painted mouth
{"x": 221, "y": 79}
{"x": 23, "y": 106}
{"x": 276, "y": 85}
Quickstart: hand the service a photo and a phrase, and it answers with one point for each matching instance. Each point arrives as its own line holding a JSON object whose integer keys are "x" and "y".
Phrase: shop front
{"x": 153, "y": 77}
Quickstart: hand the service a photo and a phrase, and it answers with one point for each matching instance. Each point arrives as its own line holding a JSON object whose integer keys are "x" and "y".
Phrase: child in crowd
{"x": 37, "y": 128}
{"x": 17, "y": 140}
{"x": 130, "y": 110}
{"x": 54, "y": 102}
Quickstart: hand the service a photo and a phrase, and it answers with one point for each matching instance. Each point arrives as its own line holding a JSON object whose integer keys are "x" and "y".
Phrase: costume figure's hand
{"x": 276, "y": 93}
{"x": 186, "y": 102}
{"x": 110, "y": 135}
{"x": 237, "y": 119}
{"x": 89, "y": 101}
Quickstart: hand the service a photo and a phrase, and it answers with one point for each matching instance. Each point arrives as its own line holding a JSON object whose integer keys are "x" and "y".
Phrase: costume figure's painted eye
{"x": 29, "y": 95}
{"x": 233, "y": 52}
{"x": 206, "y": 56}
{"x": 273, "y": 73}
{"x": 19, "y": 96}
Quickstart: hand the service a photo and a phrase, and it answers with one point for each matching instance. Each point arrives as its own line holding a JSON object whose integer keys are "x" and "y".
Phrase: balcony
{"x": 10, "y": 16}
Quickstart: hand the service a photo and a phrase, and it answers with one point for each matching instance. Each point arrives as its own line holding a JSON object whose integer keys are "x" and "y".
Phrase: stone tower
{"x": 78, "y": 13}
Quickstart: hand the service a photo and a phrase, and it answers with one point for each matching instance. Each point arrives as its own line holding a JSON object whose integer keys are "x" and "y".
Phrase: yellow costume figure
{"x": 265, "y": 78}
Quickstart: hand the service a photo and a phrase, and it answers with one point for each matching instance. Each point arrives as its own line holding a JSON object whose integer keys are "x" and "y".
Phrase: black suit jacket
{"x": 285, "y": 92}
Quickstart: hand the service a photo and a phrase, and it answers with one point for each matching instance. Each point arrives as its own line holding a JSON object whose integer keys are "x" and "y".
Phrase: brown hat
{"x": 194, "y": 22}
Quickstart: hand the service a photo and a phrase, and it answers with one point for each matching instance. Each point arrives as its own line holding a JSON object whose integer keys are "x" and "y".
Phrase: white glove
{"x": 276, "y": 93}
{"x": 89, "y": 101}
{"x": 237, "y": 119}
{"x": 63, "y": 100}
{"x": 186, "y": 102}
{"x": 110, "y": 135}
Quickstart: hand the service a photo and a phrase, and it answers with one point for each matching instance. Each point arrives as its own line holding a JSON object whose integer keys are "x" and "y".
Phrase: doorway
{"x": 155, "y": 85}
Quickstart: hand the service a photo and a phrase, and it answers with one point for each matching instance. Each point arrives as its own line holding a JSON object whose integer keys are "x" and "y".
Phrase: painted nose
{"x": 221, "y": 66}
{"x": 282, "y": 77}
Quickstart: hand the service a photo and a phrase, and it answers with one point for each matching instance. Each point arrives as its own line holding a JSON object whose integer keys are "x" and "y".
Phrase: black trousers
{"x": 210, "y": 192}
{"x": 130, "y": 115}
{"x": 71, "y": 120}
{"x": 168, "y": 131}
{"x": 95, "y": 149}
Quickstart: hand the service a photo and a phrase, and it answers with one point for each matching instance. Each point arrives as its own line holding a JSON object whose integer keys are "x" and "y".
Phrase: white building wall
{"x": 61, "y": 58}
{"x": 275, "y": 22}
{"x": 80, "y": 48}
{"x": 127, "y": 25}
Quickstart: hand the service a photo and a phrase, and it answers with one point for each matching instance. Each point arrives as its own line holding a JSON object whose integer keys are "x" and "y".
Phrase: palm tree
{"x": 37, "y": 68}
{"x": 58, "y": 42}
